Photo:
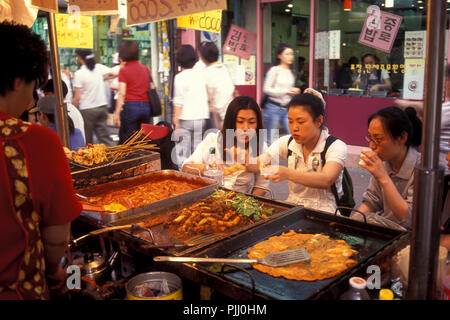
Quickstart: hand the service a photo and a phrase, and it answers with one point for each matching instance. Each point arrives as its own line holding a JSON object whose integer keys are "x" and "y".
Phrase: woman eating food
{"x": 309, "y": 179}
{"x": 393, "y": 135}
{"x": 235, "y": 146}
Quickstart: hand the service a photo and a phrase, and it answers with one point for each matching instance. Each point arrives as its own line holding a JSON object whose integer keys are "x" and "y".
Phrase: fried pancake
{"x": 329, "y": 257}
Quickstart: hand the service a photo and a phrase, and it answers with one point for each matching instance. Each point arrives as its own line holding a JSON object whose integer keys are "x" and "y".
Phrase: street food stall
{"x": 136, "y": 213}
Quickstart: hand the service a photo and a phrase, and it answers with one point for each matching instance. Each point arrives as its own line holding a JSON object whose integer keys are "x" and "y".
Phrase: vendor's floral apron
{"x": 30, "y": 280}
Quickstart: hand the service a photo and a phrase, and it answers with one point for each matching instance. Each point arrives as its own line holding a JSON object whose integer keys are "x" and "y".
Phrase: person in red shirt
{"x": 37, "y": 198}
{"x": 132, "y": 108}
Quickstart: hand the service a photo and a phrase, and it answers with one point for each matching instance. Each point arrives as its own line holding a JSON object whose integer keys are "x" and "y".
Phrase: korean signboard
{"x": 335, "y": 44}
{"x": 239, "y": 42}
{"x": 74, "y": 32}
{"x": 143, "y": 11}
{"x": 206, "y": 21}
{"x": 380, "y": 29}
{"x": 321, "y": 48}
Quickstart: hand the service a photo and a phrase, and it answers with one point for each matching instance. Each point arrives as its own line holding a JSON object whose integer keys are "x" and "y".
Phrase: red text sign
{"x": 240, "y": 42}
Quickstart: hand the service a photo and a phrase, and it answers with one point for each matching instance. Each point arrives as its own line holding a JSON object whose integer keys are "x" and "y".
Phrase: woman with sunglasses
{"x": 237, "y": 143}
{"x": 393, "y": 136}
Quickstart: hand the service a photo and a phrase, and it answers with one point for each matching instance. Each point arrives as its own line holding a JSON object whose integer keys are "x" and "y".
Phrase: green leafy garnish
{"x": 243, "y": 204}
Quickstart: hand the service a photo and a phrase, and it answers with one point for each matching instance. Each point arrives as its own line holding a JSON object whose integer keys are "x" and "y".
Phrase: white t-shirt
{"x": 277, "y": 83}
{"x": 92, "y": 86}
{"x": 115, "y": 80}
{"x": 314, "y": 198}
{"x": 190, "y": 94}
{"x": 238, "y": 181}
{"x": 76, "y": 117}
{"x": 220, "y": 88}
{"x": 199, "y": 65}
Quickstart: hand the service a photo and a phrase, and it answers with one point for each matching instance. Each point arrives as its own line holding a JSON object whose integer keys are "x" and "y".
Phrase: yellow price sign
{"x": 206, "y": 21}
{"x": 74, "y": 31}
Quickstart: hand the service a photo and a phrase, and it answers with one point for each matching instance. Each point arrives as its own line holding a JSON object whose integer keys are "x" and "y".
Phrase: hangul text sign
{"x": 380, "y": 30}
{"x": 239, "y": 42}
{"x": 144, "y": 11}
{"x": 74, "y": 32}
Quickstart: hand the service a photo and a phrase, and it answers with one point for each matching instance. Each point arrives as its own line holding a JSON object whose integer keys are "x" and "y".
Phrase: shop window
{"x": 392, "y": 42}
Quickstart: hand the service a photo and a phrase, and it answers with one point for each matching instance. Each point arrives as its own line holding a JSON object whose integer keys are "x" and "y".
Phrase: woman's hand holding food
{"x": 281, "y": 174}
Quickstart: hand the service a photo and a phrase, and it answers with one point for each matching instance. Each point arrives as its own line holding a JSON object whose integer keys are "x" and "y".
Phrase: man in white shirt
{"x": 219, "y": 84}
{"x": 190, "y": 103}
{"x": 90, "y": 97}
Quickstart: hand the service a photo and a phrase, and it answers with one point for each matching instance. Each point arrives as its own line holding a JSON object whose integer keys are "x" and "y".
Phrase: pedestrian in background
{"x": 190, "y": 101}
{"x": 90, "y": 96}
{"x": 72, "y": 111}
{"x": 132, "y": 108}
{"x": 46, "y": 117}
{"x": 279, "y": 88}
{"x": 219, "y": 84}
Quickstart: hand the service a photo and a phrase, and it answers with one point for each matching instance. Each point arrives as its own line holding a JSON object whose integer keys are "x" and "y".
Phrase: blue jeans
{"x": 133, "y": 114}
{"x": 273, "y": 115}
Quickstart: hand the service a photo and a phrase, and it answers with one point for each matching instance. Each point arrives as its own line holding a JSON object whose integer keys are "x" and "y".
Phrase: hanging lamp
{"x": 347, "y": 5}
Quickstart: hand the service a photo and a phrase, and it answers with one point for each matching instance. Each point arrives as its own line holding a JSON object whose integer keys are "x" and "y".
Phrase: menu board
{"x": 335, "y": 44}
{"x": 415, "y": 44}
{"x": 74, "y": 31}
{"x": 321, "y": 45}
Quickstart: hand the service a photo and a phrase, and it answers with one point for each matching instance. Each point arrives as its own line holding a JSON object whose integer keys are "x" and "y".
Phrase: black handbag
{"x": 153, "y": 99}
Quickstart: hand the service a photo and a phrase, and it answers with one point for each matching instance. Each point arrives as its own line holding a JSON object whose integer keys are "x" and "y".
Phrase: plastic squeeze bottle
{"x": 357, "y": 290}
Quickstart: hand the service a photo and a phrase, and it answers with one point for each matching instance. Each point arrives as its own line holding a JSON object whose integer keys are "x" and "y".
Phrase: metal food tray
{"x": 245, "y": 282}
{"x": 158, "y": 232}
{"x": 136, "y": 163}
{"x": 108, "y": 217}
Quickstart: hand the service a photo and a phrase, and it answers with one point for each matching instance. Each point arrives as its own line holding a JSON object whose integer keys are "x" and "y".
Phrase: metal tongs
{"x": 277, "y": 259}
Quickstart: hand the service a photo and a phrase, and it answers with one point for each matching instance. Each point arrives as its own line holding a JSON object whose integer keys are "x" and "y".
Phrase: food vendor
{"x": 36, "y": 193}
{"x": 309, "y": 180}
{"x": 393, "y": 136}
{"x": 373, "y": 78}
{"x": 243, "y": 120}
